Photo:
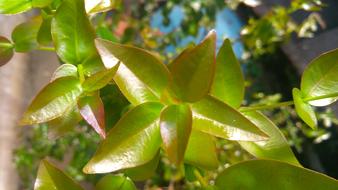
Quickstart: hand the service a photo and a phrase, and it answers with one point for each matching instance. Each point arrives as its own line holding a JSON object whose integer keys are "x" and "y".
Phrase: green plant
{"x": 176, "y": 110}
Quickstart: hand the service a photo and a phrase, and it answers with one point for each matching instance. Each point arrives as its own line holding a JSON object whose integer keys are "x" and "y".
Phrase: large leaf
{"x": 276, "y": 147}
{"x": 175, "y": 123}
{"x": 228, "y": 84}
{"x": 111, "y": 182}
{"x": 19, "y": 6}
{"x": 132, "y": 88}
{"x": 53, "y": 101}
{"x": 201, "y": 151}
{"x": 303, "y": 109}
{"x": 100, "y": 79}
{"x": 193, "y": 70}
{"x": 65, "y": 70}
{"x": 92, "y": 110}
{"x": 74, "y": 36}
{"x": 6, "y": 50}
{"x": 320, "y": 78}
{"x": 50, "y": 177}
{"x": 143, "y": 64}
{"x": 25, "y": 35}
{"x": 217, "y": 118}
{"x": 269, "y": 174}
{"x": 133, "y": 141}
{"x": 97, "y": 6}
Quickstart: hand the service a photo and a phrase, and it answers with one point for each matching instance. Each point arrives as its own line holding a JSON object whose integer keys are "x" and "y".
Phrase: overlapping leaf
{"x": 217, "y": 118}
{"x": 132, "y": 142}
{"x": 6, "y": 50}
{"x": 269, "y": 174}
{"x": 193, "y": 70}
{"x": 303, "y": 109}
{"x": 53, "y": 101}
{"x": 320, "y": 78}
{"x": 44, "y": 35}
{"x": 97, "y": 6}
{"x": 276, "y": 147}
{"x": 24, "y": 35}
{"x": 175, "y": 123}
{"x": 142, "y": 64}
{"x": 228, "y": 84}
{"x": 111, "y": 182}
{"x": 65, "y": 70}
{"x": 50, "y": 177}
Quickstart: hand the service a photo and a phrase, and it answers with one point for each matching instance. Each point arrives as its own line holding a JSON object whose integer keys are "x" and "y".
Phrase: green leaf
{"x": 111, "y": 182}
{"x": 218, "y": 119}
{"x": 193, "y": 70}
{"x": 44, "y": 35}
{"x": 175, "y": 124}
{"x": 303, "y": 109}
{"x": 14, "y": 7}
{"x": 97, "y": 6}
{"x": 6, "y": 50}
{"x": 132, "y": 142}
{"x": 64, "y": 124}
{"x": 145, "y": 66}
{"x": 74, "y": 36}
{"x": 41, "y": 3}
{"x": 53, "y": 101}
{"x": 269, "y": 174}
{"x": 65, "y": 70}
{"x": 25, "y": 35}
{"x": 320, "y": 78}
{"x": 100, "y": 79}
{"x": 143, "y": 172}
{"x": 276, "y": 147}
{"x": 50, "y": 177}
{"x": 92, "y": 110}
{"x": 228, "y": 84}
{"x": 201, "y": 151}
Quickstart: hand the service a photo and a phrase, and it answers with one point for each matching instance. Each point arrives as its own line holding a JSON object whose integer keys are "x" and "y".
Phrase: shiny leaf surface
{"x": 276, "y": 147}
{"x": 111, "y": 182}
{"x": 228, "y": 84}
{"x": 193, "y": 70}
{"x": 201, "y": 151}
{"x": 65, "y": 70}
{"x": 217, "y": 118}
{"x": 97, "y": 6}
{"x": 303, "y": 109}
{"x": 132, "y": 142}
{"x": 141, "y": 63}
{"x": 320, "y": 78}
{"x": 269, "y": 174}
{"x": 53, "y": 101}
{"x": 99, "y": 80}
{"x": 14, "y": 7}
{"x": 175, "y": 124}
{"x": 50, "y": 177}
{"x": 92, "y": 110}
{"x": 24, "y": 35}
{"x": 6, "y": 50}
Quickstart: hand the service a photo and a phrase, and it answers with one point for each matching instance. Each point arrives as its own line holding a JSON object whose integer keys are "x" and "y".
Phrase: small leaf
{"x": 25, "y": 35}
{"x": 92, "y": 110}
{"x": 217, "y": 118}
{"x": 100, "y": 79}
{"x": 53, "y": 101}
{"x": 228, "y": 84}
{"x": 269, "y": 174}
{"x": 97, "y": 6}
{"x": 303, "y": 109}
{"x": 320, "y": 78}
{"x": 111, "y": 182}
{"x": 44, "y": 35}
{"x": 143, "y": 172}
{"x": 14, "y": 7}
{"x": 193, "y": 70}
{"x": 50, "y": 177}
{"x": 65, "y": 70}
{"x": 74, "y": 36}
{"x": 276, "y": 147}
{"x": 175, "y": 124}
{"x": 6, "y": 50}
{"x": 201, "y": 151}
{"x": 132, "y": 142}
{"x": 143, "y": 64}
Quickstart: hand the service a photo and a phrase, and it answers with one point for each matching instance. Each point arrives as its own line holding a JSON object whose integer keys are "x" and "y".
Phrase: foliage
{"x": 177, "y": 110}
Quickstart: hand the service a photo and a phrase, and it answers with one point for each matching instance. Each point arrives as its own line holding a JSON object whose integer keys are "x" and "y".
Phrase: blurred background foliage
{"x": 166, "y": 27}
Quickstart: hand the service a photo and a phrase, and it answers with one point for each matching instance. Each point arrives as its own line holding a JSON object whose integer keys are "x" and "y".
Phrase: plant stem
{"x": 45, "y": 48}
{"x": 81, "y": 74}
{"x": 263, "y": 107}
{"x": 200, "y": 178}
{"x": 6, "y": 45}
{"x": 321, "y": 97}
